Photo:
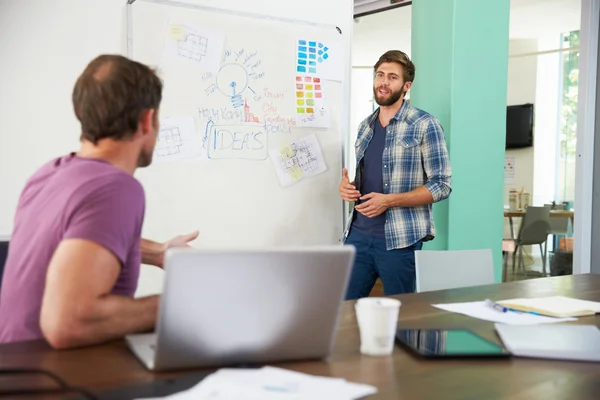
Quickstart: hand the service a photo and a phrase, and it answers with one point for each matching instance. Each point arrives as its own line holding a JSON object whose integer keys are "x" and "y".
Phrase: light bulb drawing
{"x": 235, "y": 76}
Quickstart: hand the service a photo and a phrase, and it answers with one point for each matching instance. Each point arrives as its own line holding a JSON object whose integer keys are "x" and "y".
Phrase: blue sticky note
{"x": 314, "y": 44}
{"x": 320, "y": 52}
{"x": 301, "y": 55}
{"x": 302, "y": 42}
{"x": 325, "y": 56}
{"x": 320, "y": 59}
{"x": 312, "y": 63}
{"x": 326, "y": 48}
{"x": 302, "y": 62}
{"x": 312, "y": 56}
{"x": 301, "y": 68}
{"x": 312, "y": 70}
{"x": 302, "y": 48}
{"x": 312, "y": 50}
{"x": 320, "y": 45}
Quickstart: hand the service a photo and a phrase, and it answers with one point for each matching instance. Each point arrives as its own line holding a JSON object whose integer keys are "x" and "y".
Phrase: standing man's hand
{"x": 375, "y": 205}
{"x": 347, "y": 190}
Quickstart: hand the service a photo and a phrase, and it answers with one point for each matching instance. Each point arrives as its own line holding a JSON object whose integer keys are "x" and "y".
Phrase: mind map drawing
{"x": 236, "y": 75}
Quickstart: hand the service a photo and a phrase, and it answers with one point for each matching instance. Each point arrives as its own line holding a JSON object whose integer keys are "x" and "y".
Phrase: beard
{"x": 392, "y": 98}
{"x": 145, "y": 158}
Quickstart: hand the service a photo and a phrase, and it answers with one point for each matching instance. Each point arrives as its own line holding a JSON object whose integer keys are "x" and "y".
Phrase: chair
{"x": 533, "y": 230}
{"x": 3, "y": 255}
{"x": 450, "y": 269}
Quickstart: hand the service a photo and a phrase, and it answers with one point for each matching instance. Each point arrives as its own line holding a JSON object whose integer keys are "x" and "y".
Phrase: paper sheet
{"x": 322, "y": 58}
{"x": 194, "y": 45}
{"x": 311, "y": 107}
{"x": 298, "y": 160}
{"x": 510, "y": 165}
{"x": 270, "y": 383}
{"x": 480, "y": 310}
{"x": 177, "y": 140}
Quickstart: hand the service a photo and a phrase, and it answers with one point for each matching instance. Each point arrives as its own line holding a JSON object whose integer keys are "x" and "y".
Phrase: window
{"x": 567, "y": 135}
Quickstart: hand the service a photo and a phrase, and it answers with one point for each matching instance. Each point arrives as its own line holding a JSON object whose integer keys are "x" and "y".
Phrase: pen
{"x": 495, "y": 306}
{"x": 501, "y": 308}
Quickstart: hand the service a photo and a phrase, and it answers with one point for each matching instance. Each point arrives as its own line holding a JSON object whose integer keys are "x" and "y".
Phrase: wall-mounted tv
{"x": 519, "y": 126}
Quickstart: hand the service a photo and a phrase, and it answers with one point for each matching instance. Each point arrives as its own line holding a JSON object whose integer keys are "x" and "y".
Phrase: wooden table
{"x": 400, "y": 376}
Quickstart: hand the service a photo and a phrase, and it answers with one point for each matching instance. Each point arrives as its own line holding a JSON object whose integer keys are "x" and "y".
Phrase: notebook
{"x": 554, "y": 306}
{"x": 557, "y": 342}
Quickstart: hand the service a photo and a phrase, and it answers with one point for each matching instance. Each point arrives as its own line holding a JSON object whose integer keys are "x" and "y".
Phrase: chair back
{"x": 450, "y": 269}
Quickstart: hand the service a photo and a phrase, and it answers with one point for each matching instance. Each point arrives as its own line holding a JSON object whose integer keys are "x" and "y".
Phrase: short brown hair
{"x": 110, "y": 95}
{"x": 399, "y": 57}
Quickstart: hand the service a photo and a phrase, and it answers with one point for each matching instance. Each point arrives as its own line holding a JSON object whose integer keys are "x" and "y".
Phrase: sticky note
{"x": 300, "y": 110}
{"x": 301, "y": 102}
{"x": 309, "y": 87}
{"x": 309, "y": 102}
{"x": 176, "y": 32}
{"x": 286, "y": 152}
{"x": 299, "y": 86}
{"x": 310, "y": 110}
{"x": 318, "y": 95}
{"x": 309, "y": 95}
{"x": 296, "y": 172}
{"x": 300, "y": 94}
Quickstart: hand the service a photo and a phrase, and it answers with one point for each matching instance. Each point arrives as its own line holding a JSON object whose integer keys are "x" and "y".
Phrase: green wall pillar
{"x": 460, "y": 50}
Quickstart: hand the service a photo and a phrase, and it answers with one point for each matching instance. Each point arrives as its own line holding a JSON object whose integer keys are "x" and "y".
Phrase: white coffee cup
{"x": 377, "y": 322}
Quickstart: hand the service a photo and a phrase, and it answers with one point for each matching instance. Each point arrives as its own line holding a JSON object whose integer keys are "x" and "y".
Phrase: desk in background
{"x": 401, "y": 375}
{"x": 521, "y": 213}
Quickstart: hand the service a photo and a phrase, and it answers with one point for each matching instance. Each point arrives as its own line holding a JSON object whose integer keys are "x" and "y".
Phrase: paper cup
{"x": 377, "y": 322}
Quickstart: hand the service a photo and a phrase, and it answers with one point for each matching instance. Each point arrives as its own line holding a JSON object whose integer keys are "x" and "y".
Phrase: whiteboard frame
{"x": 346, "y": 89}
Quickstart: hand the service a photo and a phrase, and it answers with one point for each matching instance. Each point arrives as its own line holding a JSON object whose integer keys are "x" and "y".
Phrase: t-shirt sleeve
{"x": 109, "y": 213}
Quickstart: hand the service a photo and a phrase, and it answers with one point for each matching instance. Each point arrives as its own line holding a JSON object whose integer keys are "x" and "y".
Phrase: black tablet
{"x": 448, "y": 343}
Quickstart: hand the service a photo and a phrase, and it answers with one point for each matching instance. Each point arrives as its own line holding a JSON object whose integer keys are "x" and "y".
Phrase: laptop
{"x": 246, "y": 307}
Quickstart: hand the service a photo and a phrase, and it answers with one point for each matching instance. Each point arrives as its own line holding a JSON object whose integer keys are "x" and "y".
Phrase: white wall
{"x": 377, "y": 33}
{"x": 45, "y": 45}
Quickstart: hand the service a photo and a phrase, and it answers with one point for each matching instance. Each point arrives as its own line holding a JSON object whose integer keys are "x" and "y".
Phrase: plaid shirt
{"x": 415, "y": 154}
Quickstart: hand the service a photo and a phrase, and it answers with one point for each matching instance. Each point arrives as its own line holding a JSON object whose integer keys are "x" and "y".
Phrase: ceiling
{"x": 528, "y": 18}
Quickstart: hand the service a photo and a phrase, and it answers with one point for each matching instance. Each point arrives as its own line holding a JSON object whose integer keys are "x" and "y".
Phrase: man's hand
{"x": 153, "y": 253}
{"x": 347, "y": 190}
{"x": 376, "y": 204}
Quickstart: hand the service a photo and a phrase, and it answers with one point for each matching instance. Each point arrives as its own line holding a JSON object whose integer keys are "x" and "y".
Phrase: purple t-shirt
{"x": 69, "y": 197}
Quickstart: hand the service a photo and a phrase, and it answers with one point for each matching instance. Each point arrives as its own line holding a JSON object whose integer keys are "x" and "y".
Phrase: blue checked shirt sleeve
{"x": 436, "y": 161}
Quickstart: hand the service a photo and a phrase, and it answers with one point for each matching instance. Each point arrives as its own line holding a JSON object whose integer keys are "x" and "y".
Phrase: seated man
{"x": 75, "y": 252}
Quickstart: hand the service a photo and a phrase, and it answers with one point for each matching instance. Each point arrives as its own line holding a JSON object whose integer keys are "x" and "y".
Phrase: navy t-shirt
{"x": 372, "y": 181}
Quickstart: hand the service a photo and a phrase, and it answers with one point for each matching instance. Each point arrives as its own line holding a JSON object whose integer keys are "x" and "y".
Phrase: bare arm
{"x": 417, "y": 197}
{"x": 153, "y": 253}
{"x": 77, "y": 307}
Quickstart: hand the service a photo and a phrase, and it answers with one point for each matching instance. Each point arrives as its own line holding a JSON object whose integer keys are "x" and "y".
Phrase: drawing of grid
{"x": 303, "y": 157}
{"x": 308, "y": 94}
{"x": 194, "y": 47}
{"x": 309, "y": 54}
{"x": 169, "y": 142}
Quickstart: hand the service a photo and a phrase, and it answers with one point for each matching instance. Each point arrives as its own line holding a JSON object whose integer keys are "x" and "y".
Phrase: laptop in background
{"x": 231, "y": 307}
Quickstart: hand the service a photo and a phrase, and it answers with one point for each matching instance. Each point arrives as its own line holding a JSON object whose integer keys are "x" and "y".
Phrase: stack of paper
{"x": 269, "y": 383}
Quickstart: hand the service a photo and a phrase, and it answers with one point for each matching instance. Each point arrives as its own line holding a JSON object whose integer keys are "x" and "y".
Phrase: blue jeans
{"x": 396, "y": 268}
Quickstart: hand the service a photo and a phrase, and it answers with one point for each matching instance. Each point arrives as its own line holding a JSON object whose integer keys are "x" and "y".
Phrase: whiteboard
{"x": 226, "y": 184}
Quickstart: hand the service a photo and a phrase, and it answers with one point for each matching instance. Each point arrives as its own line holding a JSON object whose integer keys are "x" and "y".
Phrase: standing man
{"x": 75, "y": 252}
{"x": 402, "y": 169}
